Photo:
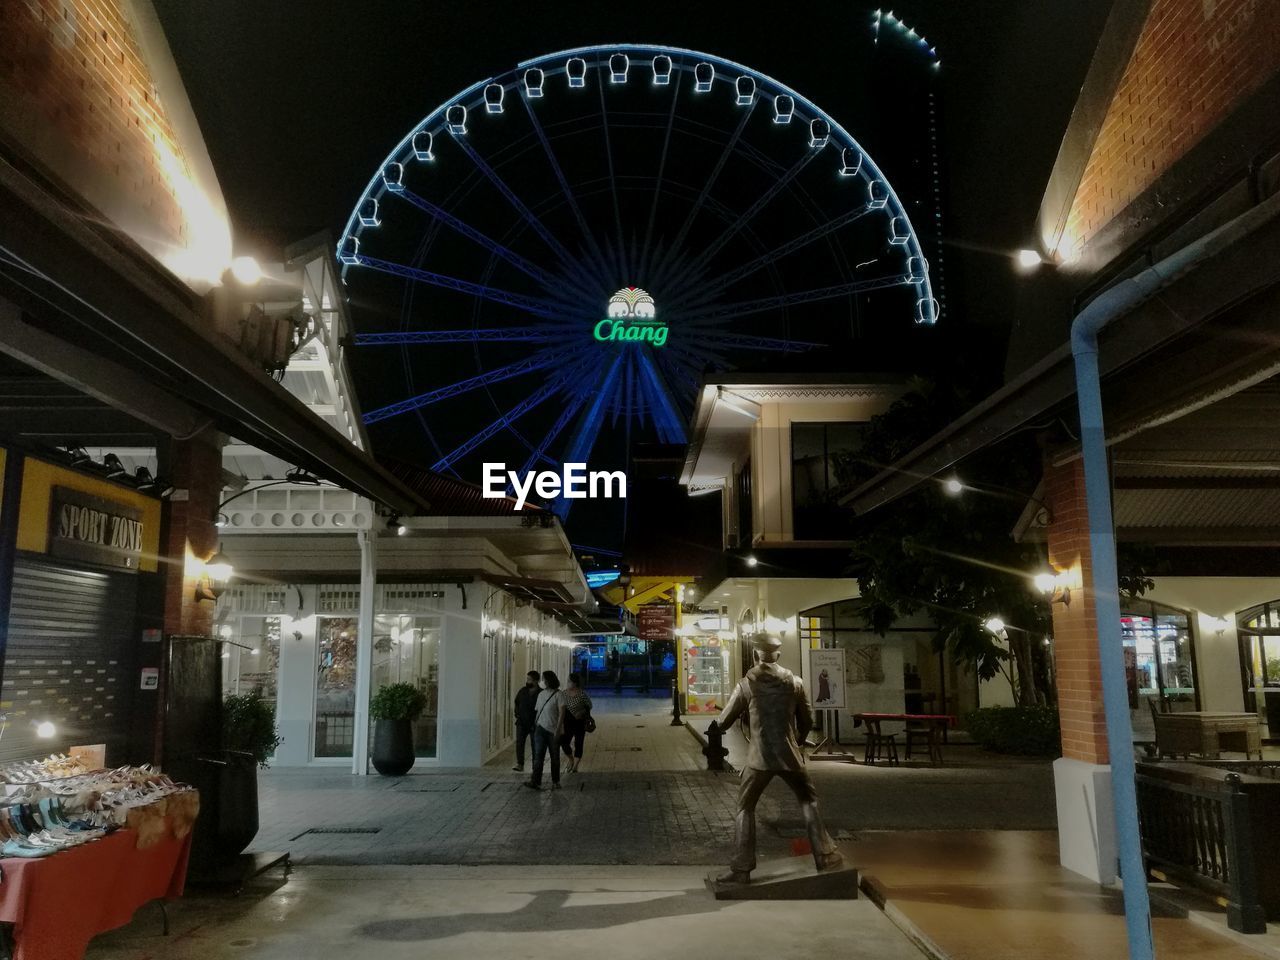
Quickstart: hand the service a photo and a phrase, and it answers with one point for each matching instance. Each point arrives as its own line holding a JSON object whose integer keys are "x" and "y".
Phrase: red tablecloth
{"x": 59, "y": 903}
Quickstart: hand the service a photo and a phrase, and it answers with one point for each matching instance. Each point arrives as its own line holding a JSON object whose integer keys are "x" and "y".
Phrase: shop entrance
{"x": 625, "y": 663}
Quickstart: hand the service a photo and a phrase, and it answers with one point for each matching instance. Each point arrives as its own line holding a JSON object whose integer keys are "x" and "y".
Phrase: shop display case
{"x": 706, "y": 672}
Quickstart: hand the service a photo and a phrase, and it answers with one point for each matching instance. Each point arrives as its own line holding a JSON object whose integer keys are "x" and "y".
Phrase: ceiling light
{"x": 114, "y": 467}
{"x": 1029, "y": 259}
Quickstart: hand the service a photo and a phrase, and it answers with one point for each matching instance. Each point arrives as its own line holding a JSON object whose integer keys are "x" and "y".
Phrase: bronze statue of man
{"x": 779, "y": 719}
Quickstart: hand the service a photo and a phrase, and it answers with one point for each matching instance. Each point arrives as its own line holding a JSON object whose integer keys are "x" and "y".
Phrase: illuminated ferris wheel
{"x": 566, "y": 248}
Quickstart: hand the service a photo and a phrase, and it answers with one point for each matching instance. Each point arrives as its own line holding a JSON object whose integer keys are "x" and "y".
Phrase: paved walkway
{"x": 643, "y": 796}
{"x": 530, "y": 913}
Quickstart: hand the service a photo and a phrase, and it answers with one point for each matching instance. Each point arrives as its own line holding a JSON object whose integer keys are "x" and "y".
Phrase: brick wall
{"x": 78, "y": 93}
{"x": 1075, "y": 635}
{"x": 1194, "y": 61}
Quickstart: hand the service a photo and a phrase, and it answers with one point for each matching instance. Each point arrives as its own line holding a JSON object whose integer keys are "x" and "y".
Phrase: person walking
{"x": 526, "y": 709}
{"x": 547, "y": 727}
{"x": 577, "y": 707}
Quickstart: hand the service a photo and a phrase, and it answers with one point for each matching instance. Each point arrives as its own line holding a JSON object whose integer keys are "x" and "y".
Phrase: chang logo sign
{"x": 631, "y": 317}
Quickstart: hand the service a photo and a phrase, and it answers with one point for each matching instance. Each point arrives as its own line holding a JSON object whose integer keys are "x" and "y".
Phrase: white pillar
{"x": 364, "y": 648}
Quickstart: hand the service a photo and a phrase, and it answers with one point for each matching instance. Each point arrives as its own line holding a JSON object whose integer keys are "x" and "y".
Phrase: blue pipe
{"x": 1110, "y": 306}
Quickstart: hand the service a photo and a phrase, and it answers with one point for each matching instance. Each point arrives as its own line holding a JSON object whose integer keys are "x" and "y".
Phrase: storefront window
{"x": 406, "y": 649}
{"x": 251, "y": 658}
{"x": 1159, "y": 660}
{"x": 335, "y": 686}
{"x": 1259, "y": 635}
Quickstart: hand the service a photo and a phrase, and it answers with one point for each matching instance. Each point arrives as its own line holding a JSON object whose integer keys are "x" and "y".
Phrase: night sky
{"x": 300, "y": 101}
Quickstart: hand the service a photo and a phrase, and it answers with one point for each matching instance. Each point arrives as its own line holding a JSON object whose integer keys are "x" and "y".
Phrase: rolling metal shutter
{"x": 70, "y": 658}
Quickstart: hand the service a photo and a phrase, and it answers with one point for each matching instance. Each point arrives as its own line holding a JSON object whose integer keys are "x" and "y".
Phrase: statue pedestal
{"x": 792, "y": 879}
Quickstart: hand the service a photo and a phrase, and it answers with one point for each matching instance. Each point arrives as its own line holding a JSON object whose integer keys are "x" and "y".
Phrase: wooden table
{"x": 936, "y": 725}
{"x": 1208, "y": 733}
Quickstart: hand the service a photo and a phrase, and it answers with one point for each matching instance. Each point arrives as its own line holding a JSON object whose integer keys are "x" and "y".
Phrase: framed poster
{"x": 825, "y": 679}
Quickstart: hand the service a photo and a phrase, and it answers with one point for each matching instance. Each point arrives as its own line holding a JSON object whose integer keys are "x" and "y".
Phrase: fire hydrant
{"x": 714, "y": 751}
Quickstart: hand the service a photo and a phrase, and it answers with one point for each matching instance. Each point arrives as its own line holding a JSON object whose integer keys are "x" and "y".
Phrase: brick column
{"x": 1081, "y": 776}
{"x": 190, "y": 535}
{"x": 1075, "y": 633}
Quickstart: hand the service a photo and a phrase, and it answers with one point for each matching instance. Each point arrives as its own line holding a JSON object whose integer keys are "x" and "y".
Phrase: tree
{"x": 952, "y": 557}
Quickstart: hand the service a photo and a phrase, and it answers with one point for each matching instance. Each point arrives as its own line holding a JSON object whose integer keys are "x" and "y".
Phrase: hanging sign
{"x": 656, "y": 621}
{"x": 94, "y": 529}
{"x": 825, "y": 679}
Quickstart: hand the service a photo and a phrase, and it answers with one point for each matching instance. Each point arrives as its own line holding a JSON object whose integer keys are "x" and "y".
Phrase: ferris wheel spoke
{"x": 543, "y": 393}
{"x": 677, "y": 245}
{"x": 542, "y": 334}
{"x": 623, "y": 267}
{"x": 657, "y": 187}
{"x": 740, "y": 342}
{"x": 762, "y": 201}
{"x": 730, "y": 310}
{"x": 668, "y": 421}
{"x": 549, "y": 282}
{"x": 535, "y": 305}
{"x": 583, "y": 226}
{"x": 539, "y": 361}
{"x": 710, "y": 290}
{"x": 568, "y": 262}
{"x": 539, "y": 453}
{"x": 589, "y": 423}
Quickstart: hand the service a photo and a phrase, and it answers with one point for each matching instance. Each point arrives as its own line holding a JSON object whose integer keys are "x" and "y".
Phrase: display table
{"x": 57, "y": 904}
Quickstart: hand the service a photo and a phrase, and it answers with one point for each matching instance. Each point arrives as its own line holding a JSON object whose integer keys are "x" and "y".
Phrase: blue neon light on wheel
{"x": 569, "y": 245}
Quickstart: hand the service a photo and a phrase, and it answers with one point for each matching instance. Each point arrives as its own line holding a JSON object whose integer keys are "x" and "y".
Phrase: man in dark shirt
{"x": 526, "y": 707}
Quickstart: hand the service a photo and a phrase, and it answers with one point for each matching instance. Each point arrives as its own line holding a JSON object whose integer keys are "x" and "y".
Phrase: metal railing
{"x": 1196, "y": 828}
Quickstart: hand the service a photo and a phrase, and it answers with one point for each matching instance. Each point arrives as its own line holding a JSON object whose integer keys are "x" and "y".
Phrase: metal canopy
{"x": 1173, "y": 323}
{"x": 94, "y": 287}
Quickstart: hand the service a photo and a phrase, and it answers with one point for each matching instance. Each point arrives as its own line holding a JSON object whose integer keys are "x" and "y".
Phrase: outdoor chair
{"x": 918, "y": 735}
{"x": 880, "y": 746}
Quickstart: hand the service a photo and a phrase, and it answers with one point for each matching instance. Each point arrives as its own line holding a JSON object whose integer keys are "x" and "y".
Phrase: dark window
{"x": 744, "y": 505}
{"x": 822, "y": 458}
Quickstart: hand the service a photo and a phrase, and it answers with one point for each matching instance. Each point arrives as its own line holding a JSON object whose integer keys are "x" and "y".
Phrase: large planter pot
{"x": 228, "y": 819}
{"x": 393, "y": 747}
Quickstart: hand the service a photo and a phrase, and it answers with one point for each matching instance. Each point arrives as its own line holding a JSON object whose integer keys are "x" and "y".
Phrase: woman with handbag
{"x": 549, "y": 717}
{"x": 578, "y": 721}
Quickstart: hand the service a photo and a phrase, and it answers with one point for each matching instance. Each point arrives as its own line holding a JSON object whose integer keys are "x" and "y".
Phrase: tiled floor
{"x": 1001, "y": 895}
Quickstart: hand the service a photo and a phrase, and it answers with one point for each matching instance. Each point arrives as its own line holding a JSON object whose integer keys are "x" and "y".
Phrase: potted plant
{"x": 395, "y": 707}
{"x": 249, "y": 738}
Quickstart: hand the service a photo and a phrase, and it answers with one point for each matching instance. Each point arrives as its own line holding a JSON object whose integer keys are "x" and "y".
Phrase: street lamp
{"x": 996, "y": 626}
{"x": 1029, "y": 259}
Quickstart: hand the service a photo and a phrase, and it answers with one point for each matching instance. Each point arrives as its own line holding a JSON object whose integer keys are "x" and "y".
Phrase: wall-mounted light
{"x": 395, "y": 526}
{"x": 752, "y": 561}
{"x": 1054, "y": 584}
{"x": 215, "y": 576}
{"x": 1220, "y": 625}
